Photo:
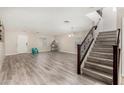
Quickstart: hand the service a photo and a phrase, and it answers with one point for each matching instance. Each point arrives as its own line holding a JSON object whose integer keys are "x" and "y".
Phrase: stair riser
{"x": 106, "y": 43}
{"x": 101, "y": 56}
{"x": 98, "y": 77}
{"x": 96, "y": 67}
{"x": 106, "y": 36}
{"x": 102, "y": 50}
{"x": 102, "y": 46}
{"x": 114, "y": 31}
{"x": 106, "y": 39}
{"x": 109, "y": 63}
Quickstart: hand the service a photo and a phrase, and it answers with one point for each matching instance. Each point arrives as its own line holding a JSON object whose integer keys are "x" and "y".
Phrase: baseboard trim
{"x": 68, "y": 52}
{"x": 23, "y": 53}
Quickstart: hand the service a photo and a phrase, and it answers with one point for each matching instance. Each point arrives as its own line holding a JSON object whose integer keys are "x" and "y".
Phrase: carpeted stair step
{"x": 108, "y": 33}
{"x": 107, "y": 36}
{"x": 100, "y": 60}
{"x": 102, "y": 46}
{"x": 103, "y": 50}
{"x": 98, "y": 75}
{"x": 99, "y": 67}
{"x": 102, "y": 55}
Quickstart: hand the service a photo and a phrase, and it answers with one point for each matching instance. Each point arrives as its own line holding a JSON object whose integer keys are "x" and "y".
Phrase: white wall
{"x": 35, "y": 40}
{"x": 122, "y": 52}
{"x": 94, "y": 16}
{"x": 120, "y": 15}
{"x": 69, "y": 44}
{"x": 120, "y": 21}
{"x": 41, "y": 41}
{"x": 109, "y": 19}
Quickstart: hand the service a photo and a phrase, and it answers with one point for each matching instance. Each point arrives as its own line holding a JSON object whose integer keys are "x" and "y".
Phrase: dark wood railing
{"x": 83, "y": 48}
{"x": 116, "y": 59}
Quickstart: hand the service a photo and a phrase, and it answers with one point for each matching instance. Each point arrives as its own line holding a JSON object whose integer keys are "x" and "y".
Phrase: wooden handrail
{"x": 88, "y": 34}
{"x": 118, "y": 37}
{"x": 94, "y": 27}
{"x": 86, "y": 51}
{"x": 79, "y": 58}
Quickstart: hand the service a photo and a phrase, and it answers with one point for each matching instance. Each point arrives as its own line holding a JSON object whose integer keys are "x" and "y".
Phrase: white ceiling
{"x": 48, "y": 20}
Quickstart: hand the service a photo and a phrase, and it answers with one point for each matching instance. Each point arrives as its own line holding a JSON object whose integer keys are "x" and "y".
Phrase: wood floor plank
{"x": 45, "y": 68}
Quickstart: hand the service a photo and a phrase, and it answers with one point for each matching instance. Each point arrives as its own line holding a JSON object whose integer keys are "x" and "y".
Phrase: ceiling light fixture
{"x": 71, "y": 35}
{"x": 66, "y": 21}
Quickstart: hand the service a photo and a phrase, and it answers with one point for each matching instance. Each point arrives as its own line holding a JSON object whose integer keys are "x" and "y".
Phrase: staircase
{"x": 99, "y": 63}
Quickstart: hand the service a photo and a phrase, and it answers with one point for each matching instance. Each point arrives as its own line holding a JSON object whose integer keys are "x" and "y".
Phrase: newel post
{"x": 115, "y": 65}
{"x": 78, "y": 59}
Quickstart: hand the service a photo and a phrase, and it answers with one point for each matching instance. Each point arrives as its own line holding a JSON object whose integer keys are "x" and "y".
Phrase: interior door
{"x": 22, "y": 42}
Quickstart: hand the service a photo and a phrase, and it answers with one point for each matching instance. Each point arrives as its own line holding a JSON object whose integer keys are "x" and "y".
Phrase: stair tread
{"x": 98, "y": 41}
{"x": 108, "y": 31}
{"x": 104, "y": 40}
{"x": 110, "y": 34}
{"x": 106, "y": 37}
{"x": 100, "y": 65}
{"x": 100, "y": 58}
{"x": 107, "y": 34}
{"x": 103, "y": 47}
{"x": 101, "y": 44}
{"x": 99, "y": 73}
{"x": 102, "y": 53}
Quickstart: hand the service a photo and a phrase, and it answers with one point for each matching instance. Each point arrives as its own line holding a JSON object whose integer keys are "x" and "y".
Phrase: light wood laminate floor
{"x": 45, "y": 68}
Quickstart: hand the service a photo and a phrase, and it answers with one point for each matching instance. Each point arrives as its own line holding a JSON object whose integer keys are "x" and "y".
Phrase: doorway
{"x": 22, "y": 44}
